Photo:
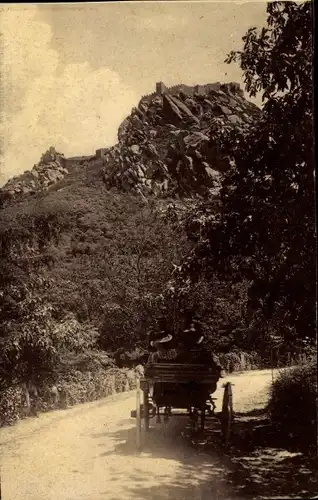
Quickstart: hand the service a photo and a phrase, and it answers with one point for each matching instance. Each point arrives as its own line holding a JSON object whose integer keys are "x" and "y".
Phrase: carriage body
{"x": 171, "y": 389}
{"x": 180, "y": 385}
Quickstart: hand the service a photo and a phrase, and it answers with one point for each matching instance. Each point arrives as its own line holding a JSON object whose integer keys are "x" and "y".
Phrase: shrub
{"x": 239, "y": 361}
{"x": 79, "y": 387}
{"x": 231, "y": 362}
{"x": 293, "y": 403}
{"x": 11, "y": 405}
{"x": 74, "y": 388}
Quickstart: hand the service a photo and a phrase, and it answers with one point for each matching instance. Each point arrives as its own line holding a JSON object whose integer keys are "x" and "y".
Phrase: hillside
{"x": 93, "y": 237}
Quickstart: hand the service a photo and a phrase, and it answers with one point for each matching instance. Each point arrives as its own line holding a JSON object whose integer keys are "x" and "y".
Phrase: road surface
{"x": 88, "y": 453}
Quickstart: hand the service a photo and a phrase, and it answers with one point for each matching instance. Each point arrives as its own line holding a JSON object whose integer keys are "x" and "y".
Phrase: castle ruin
{"x": 101, "y": 153}
{"x": 198, "y": 89}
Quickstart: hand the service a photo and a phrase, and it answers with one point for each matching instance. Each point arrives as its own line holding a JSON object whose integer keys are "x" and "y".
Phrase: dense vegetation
{"x": 264, "y": 232}
{"x": 101, "y": 256}
{"x": 87, "y": 269}
{"x": 293, "y": 405}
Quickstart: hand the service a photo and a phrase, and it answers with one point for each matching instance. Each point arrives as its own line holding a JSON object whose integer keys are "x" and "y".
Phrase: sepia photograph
{"x": 158, "y": 279}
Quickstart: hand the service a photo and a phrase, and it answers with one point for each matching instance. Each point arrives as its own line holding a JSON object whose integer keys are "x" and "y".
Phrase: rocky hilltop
{"x": 50, "y": 169}
{"x": 169, "y": 143}
{"x": 167, "y": 146}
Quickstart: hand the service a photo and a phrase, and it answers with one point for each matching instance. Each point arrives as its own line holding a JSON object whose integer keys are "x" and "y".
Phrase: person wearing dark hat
{"x": 195, "y": 350}
{"x": 192, "y": 336}
{"x": 162, "y": 345}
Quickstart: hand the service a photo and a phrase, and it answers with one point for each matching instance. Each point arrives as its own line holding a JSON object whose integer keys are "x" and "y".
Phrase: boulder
{"x": 171, "y": 110}
{"x": 225, "y": 110}
{"x": 236, "y": 120}
{"x": 135, "y": 149}
{"x": 195, "y": 139}
{"x": 183, "y": 108}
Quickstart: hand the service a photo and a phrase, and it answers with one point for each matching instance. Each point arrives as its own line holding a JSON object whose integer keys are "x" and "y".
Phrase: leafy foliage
{"x": 279, "y": 57}
{"x": 11, "y": 405}
{"x": 74, "y": 387}
{"x": 293, "y": 403}
{"x": 34, "y": 346}
{"x": 83, "y": 270}
{"x": 265, "y": 230}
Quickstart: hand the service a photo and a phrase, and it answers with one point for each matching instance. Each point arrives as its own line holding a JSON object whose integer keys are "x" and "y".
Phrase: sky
{"x": 71, "y": 73}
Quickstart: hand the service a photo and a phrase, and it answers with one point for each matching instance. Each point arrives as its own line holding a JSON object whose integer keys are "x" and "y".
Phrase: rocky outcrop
{"x": 170, "y": 143}
{"x": 47, "y": 172}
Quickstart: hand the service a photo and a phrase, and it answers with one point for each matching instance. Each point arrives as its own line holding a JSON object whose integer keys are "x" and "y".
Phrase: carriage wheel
{"x": 146, "y": 409}
{"x": 167, "y": 412}
{"x": 227, "y": 414}
{"x": 202, "y": 421}
{"x": 194, "y": 418}
{"x": 138, "y": 416}
{"x": 158, "y": 418}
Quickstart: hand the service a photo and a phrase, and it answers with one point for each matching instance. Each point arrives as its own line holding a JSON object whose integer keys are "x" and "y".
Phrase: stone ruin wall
{"x": 101, "y": 153}
{"x": 191, "y": 90}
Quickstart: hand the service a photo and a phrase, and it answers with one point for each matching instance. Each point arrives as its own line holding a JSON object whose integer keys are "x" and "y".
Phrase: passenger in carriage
{"x": 195, "y": 350}
{"x": 187, "y": 348}
{"x": 164, "y": 349}
{"x": 162, "y": 346}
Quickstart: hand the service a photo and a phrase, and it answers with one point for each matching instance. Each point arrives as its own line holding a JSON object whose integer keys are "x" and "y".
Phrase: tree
{"x": 150, "y": 243}
{"x": 269, "y": 197}
{"x": 265, "y": 232}
{"x": 34, "y": 346}
{"x": 26, "y": 347}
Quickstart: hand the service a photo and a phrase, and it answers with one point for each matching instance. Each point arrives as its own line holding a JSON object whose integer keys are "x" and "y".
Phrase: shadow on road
{"x": 264, "y": 465}
{"x": 196, "y": 475}
{"x": 256, "y": 465}
{"x": 183, "y": 487}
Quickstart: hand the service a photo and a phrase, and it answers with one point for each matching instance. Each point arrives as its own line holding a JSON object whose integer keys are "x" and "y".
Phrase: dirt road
{"x": 88, "y": 453}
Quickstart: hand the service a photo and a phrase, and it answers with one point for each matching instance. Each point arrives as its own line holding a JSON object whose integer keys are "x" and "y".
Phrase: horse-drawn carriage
{"x": 174, "y": 389}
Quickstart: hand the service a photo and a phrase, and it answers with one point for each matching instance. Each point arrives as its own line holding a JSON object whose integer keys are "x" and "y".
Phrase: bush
{"x": 74, "y": 388}
{"x": 239, "y": 361}
{"x": 231, "y": 362}
{"x": 79, "y": 387}
{"x": 293, "y": 403}
{"x": 12, "y": 406}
